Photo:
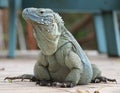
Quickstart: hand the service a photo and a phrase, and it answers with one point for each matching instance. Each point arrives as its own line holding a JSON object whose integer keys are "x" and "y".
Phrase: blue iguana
{"x": 61, "y": 60}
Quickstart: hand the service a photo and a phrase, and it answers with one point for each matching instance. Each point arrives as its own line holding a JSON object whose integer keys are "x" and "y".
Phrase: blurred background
{"x": 82, "y": 18}
{"x": 80, "y": 25}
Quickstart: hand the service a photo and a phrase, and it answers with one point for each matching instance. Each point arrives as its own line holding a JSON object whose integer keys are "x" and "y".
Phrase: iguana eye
{"x": 41, "y": 12}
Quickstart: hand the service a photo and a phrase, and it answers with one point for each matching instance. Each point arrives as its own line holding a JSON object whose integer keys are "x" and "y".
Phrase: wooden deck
{"x": 25, "y": 61}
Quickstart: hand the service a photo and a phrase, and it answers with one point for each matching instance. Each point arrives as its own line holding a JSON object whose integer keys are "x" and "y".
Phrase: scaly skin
{"x": 61, "y": 62}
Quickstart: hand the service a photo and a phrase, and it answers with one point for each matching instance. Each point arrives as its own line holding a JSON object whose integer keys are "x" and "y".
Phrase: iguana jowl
{"x": 61, "y": 58}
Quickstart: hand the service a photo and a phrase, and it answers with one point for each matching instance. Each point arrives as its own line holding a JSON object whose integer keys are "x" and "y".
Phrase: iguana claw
{"x": 44, "y": 82}
{"x": 55, "y": 84}
{"x": 63, "y": 84}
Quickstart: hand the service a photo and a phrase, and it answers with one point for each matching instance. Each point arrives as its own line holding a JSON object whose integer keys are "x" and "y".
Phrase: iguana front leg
{"x": 73, "y": 62}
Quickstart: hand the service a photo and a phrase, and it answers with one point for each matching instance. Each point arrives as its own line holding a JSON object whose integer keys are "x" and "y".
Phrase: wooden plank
{"x": 90, "y": 6}
{"x": 12, "y": 29}
{"x": 100, "y": 33}
{"x": 2, "y": 44}
{"x": 3, "y": 3}
{"x": 20, "y": 34}
{"x": 112, "y": 33}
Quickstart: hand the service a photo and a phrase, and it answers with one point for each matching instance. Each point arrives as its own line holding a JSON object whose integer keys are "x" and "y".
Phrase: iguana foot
{"x": 22, "y": 77}
{"x": 103, "y": 79}
{"x": 64, "y": 84}
{"x": 44, "y": 82}
{"x": 55, "y": 84}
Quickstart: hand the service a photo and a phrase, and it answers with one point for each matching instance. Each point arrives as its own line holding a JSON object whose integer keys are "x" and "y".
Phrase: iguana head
{"x": 45, "y": 23}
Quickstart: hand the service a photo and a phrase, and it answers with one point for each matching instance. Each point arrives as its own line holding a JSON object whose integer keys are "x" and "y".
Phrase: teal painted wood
{"x": 12, "y": 29}
{"x": 18, "y": 4}
{"x": 90, "y": 6}
{"x": 80, "y": 6}
{"x": 3, "y": 3}
{"x": 112, "y": 33}
{"x": 100, "y": 33}
{"x": 14, "y": 5}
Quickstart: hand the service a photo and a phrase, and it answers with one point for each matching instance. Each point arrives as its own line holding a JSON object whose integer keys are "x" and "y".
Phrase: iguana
{"x": 61, "y": 62}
